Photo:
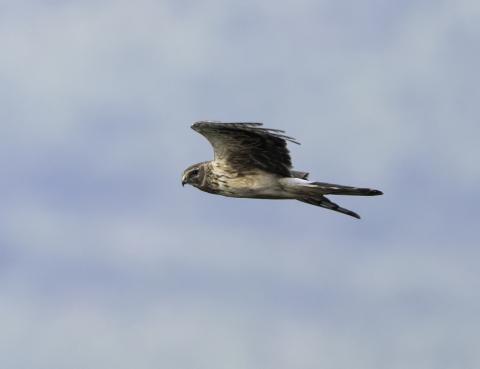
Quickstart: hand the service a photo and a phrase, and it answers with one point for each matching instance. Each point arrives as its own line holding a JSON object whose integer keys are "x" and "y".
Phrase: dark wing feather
{"x": 246, "y": 146}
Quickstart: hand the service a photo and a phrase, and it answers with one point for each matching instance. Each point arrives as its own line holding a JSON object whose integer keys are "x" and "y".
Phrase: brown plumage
{"x": 254, "y": 162}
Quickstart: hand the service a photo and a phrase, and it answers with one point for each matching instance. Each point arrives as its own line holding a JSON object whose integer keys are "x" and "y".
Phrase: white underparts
{"x": 296, "y": 183}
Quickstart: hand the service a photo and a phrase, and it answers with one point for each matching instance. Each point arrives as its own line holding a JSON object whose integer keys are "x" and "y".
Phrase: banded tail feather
{"x": 335, "y": 189}
{"x": 313, "y": 193}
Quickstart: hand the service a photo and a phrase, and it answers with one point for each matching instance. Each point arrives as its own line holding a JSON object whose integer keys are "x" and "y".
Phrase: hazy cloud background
{"x": 107, "y": 262}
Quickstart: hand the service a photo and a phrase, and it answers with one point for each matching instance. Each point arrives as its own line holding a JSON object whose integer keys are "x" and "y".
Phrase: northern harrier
{"x": 254, "y": 162}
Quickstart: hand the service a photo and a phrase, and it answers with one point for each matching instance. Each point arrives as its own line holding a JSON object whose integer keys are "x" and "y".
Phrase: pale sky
{"x": 107, "y": 262}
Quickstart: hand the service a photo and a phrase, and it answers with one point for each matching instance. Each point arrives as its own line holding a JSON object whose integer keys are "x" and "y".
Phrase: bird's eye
{"x": 194, "y": 172}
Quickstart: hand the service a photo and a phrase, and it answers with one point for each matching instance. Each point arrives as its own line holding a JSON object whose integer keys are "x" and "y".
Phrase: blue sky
{"x": 106, "y": 261}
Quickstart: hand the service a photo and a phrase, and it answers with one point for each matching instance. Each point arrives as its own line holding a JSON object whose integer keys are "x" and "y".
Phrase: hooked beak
{"x": 183, "y": 183}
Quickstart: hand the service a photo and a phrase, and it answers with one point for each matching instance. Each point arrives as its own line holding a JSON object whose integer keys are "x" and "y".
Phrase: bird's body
{"x": 221, "y": 180}
{"x": 254, "y": 162}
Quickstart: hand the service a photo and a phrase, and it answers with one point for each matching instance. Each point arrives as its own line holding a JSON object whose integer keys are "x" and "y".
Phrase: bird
{"x": 251, "y": 161}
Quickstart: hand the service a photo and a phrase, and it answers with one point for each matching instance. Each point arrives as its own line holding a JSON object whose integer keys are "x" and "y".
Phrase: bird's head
{"x": 193, "y": 175}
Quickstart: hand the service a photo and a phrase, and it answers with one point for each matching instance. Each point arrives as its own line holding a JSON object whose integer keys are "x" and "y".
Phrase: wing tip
{"x": 275, "y": 132}
{"x": 202, "y": 122}
{"x": 355, "y": 215}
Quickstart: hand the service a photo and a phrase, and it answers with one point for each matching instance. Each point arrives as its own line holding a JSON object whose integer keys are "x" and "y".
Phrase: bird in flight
{"x": 253, "y": 162}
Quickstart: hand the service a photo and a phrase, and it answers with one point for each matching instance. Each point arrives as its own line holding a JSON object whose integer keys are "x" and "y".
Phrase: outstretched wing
{"x": 245, "y": 146}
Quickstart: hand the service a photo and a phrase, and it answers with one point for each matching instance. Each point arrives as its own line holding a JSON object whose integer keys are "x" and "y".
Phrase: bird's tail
{"x": 335, "y": 189}
{"x": 313, "y": 193}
